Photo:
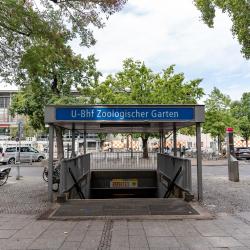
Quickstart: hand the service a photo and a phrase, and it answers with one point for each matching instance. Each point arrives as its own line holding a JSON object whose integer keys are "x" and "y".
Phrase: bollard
{"x": 233, "y": 174}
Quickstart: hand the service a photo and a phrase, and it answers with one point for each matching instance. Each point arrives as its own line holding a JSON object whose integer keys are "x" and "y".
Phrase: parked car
{"x": 242, "y": 153}
{"x": 11, "y": 154}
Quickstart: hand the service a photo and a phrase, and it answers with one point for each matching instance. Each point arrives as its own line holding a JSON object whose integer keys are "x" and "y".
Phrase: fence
{"x": 123, "y": 160}
{"x": 205, "y": 155}
{"x": 80, "y": 167}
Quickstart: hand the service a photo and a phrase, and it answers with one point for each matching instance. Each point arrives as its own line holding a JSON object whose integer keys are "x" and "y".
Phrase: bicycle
{"x": 55, "y": 177}
{"x": 4, "y": 175}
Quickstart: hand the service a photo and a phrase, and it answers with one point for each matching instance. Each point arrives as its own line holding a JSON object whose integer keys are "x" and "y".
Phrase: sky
{"x": 166, "y": 32}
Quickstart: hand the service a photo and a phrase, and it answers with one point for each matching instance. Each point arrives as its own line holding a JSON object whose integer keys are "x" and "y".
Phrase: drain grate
{"x": 105, "y": 242}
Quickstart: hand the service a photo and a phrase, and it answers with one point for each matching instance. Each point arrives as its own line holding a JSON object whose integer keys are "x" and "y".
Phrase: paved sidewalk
{"x": 22, "y": 202}
{"x": 225, "y": 232}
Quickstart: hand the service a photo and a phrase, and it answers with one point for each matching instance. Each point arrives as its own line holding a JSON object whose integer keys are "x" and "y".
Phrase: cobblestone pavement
{"x": 26, "y": 196}
{"x": 222, "y": 195}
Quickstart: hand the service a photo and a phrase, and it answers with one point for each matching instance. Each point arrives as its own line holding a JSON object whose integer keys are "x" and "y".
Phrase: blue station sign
{"x": 124, "y": 113}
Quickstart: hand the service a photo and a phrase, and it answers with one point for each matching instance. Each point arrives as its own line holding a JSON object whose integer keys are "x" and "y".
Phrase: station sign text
{"x": 125, "y": 113}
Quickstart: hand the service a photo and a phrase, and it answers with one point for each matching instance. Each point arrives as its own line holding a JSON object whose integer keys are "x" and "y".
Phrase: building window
{"x": 91, "y": 144}
{"x": 4, "y": 102}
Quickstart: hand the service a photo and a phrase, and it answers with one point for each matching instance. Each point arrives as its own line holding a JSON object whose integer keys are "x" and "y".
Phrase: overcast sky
{"x": 165, "y": 32}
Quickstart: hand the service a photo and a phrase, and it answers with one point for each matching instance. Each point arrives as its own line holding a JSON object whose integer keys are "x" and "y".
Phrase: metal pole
{"x": 85, "y": 142}
{"x": 161, "y": 141}
{"x": 199, "y": 162}
{"x": 73, "y": 153}
{"x": 50, "y": 163}
{"x": 175, "y": 140}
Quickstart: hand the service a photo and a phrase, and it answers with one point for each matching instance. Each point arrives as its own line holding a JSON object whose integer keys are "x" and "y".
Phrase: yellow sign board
{"x": 124, "y": 183}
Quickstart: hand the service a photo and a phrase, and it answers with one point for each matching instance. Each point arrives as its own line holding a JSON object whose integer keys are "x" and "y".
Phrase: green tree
{"x": 218, "y": 116}
{"x": 138, "y": 84}
{"x": 238, "y": 11}
{"x": 35, "y": 55}
{"x": 241, "y": 112}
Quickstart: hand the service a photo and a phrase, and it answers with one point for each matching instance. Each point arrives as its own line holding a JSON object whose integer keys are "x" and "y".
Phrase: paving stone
{"x": 120, "y": 242}
{"x": 16, "y": 224}
{"x": 33, "y": 230}
{"x": 120, "y": 225}
{"x": 182, "y": 228}
{"x": 162, "y": 242}
{"x": 96, "y": 225}
{"x": 29, "y": 196}
{"x": 224, "y": 242}
{"x": 245, "y": 215}
{"x": 70, "y": 245}
{"x": 53, "y": 234}
{"x": 82, "y": 225}
{"x": 136, "y": 231}
{"x": 76, "y": 235}
{"x": 193, "y": 242}
{"x": 115, "y": 247}
{"x": 119, "y": 232}
{"x": 238, "y": 248}
{"x": 157, "y": 230}
{"x": 209, "y": 228}
{"x": 63, "y": 225}
{"x": 93, "y": 233}
{"x": 90, "y": 242}
{"x": 245, "y": 242}
{"x": 138, "y": 242}
{"x": 138, "y": 248}
{"x": 241, "y": 235}
{"x": 135, "y": 225}
{"x": 5, "y": 234}
{"x": 15, "y": 243}
{"x": 49, "y": 243}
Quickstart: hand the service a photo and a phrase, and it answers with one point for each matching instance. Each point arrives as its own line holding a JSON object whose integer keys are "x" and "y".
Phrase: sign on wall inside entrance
{"x": 124, "y": 114}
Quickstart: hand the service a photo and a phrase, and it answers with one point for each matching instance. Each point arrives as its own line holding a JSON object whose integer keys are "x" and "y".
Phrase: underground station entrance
{"x": 104, "y": 184}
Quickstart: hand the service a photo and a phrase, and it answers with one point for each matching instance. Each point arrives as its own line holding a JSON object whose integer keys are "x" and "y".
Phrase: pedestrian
{"x": 183, "y": 151}
{"x": 167, "y": 150}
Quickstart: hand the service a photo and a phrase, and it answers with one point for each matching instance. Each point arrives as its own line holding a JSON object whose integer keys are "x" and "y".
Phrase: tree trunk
{"x": 145, "y": 147}
{"x": 59, "y": 143}
{"x": 246, "y": 142}
{"x": 219, "y": 144}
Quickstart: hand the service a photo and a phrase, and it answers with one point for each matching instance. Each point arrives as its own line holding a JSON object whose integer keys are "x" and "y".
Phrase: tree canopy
{"x": 138, "y": 84}
{"x": 25, "y": 25}
{"x": 218, "y": 115}
{"x": 238, "y": 11}
{"x": 35, "y": 52}
{"x": 241, "y": 111}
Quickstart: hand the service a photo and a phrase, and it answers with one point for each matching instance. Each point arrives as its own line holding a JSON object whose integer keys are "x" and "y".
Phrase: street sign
{"x": 125, "y": 114}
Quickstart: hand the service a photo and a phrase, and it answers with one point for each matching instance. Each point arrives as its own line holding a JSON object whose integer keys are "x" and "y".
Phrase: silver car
{"x": 10, "y": 155}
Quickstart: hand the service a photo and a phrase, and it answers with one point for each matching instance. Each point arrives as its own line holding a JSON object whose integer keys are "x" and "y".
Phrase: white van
{"x": 9, "y": 155}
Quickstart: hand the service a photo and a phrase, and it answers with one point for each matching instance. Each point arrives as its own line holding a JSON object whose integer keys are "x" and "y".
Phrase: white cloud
{"x": 164, "y": 32}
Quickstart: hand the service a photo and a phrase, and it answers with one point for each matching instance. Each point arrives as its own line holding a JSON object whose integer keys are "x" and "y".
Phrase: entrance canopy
{"x": 124, "y": 118}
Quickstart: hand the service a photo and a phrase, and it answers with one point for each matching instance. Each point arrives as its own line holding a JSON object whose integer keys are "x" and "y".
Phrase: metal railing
{"x": 123, "y": 160}
{"x": 168, "y": 166}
